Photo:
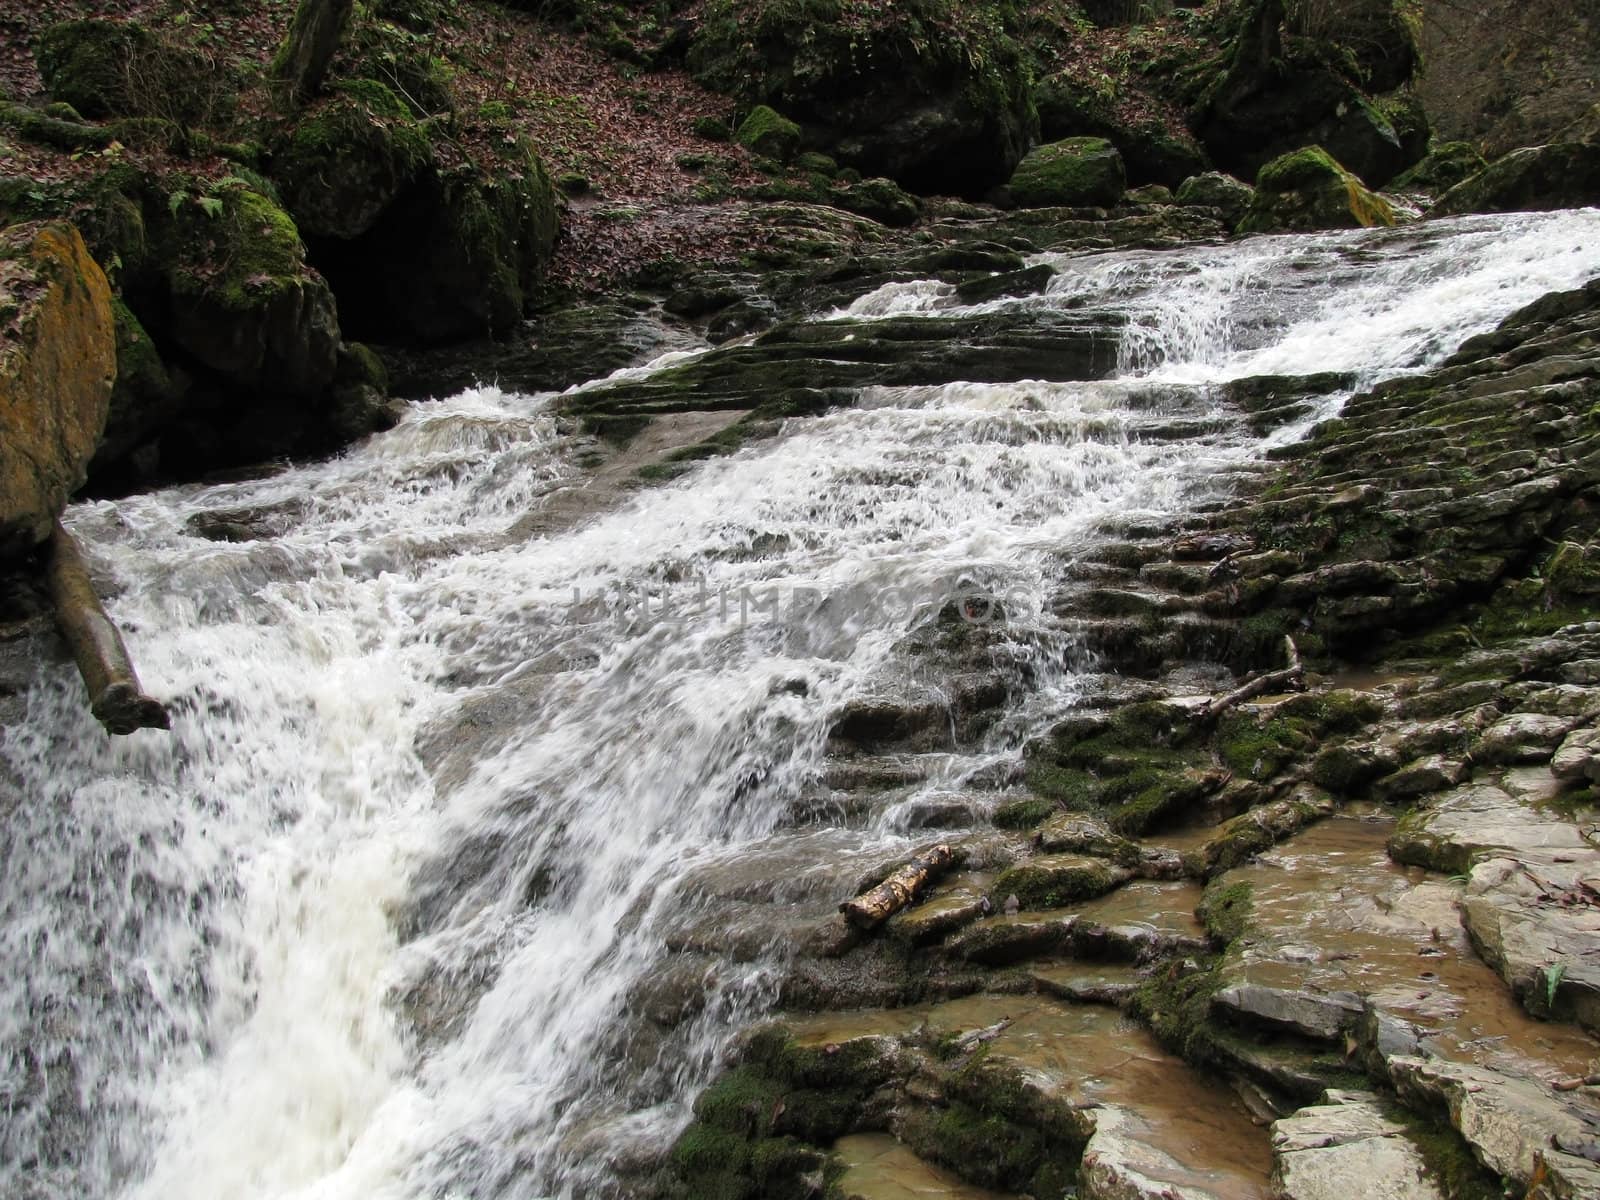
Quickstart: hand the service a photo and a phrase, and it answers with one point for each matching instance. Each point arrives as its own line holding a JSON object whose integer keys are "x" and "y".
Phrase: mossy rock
{"x": 1075, "y": 173}
{"x": 1563, "y": 175}
{"x": 1056, "y": 880}
{"x": 767, "y": 132}
{"x": 344, "y": 162}
{"x": 106, "y": 68}
{"x": 1307, "y": 190}
{"x": 881, "y": 200}
{"x": 930, "y": 93}
{"x": 1446, "y": 165}
{"x": 57, "y": 363}
{"x": 1153, "y": 150}
{"x": 85, "y": 63}
{"x": 1215, "y": 189}
{"x": 243, "y": 300}
{"x": 456, "y": 255}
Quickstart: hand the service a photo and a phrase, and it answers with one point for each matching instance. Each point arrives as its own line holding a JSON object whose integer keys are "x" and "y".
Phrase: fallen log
{"x": 876, "y": 905}
{"x": 115, "y": 696}
{"x": 1293, "y": 677}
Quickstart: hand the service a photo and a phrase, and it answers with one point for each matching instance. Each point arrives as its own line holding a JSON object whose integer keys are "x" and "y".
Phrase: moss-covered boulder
{"x": 242, "y": 300}
{"x": 1215, "y": 189}
{"x": 85, "y": 63}
{"x": 1445, "y": 166}
{"x": 457, "y": 254}
{"x": 57, "y": 364}
{"x": 107, "y": 68}
{"x": 768, "y": 133}
{"x": 1154, "y": 149}
{"x": 1297, "y": 82}
{"x": 882, "y": 200}
{"x": 1308, "y": 189}
{"x": 345, "y": 161}
{"x": 1563, "y": 175}
{"x": 1075, "y": 173}
{"x": 930, "y": 93}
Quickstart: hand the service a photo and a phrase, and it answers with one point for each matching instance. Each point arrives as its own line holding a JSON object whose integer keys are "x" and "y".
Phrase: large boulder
{"x": 1220, "y": 191}
{"x": 85, "y": 63}
{"x": 1155, "y": 150}
{"x": 1563, "y": 175}
{"x": 106, "y": 68}
{"x": 1074, "y": 173}
{"x": 919, "y": 93}
{"x": 57, "y": 364}
{"x": 241, "y": 299}
{"x": 456, "y": 254}
{"x": 416, "y": 249}
{"x": 1308, "y": 189}
{"x": 345, "y": 161}
{"x": 1282, "y": 89}
{"x": 1446, "y": 165}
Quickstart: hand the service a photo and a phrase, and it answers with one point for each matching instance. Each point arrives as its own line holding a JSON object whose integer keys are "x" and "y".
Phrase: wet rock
{"x": 1512, "y": 1125}
{"x": 1220, "y": 191}
{"x": 1054, "y": 880}
{"x": 1521, "y": 738}
{"x": 1476, "y": 819}
{"x": 1562, "y": 175}
{"x": 1259, "y": 829}
{"x": 1119, "y": 1163}
{"x": 1075, "y": 833}
{"x": 1322, "y": 1016}
{"x": 1578, "y": 757}
{"x": 1420, "y": 778}
{"x": 1355, "y": 1143}
{"x": 1537, "y": 923}
{"x": 1307, "y": 190}
{"x": 1028, "y": 281}
{"x": 57, "y": 364}
{"x": 998, "y": 940}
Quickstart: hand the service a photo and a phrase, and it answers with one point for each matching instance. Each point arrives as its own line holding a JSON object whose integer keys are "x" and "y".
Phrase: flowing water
{"x": 366, "y": 923}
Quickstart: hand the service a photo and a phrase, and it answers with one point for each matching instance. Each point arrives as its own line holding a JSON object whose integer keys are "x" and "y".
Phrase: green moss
{"x": 704, "y": 1150}
{"x": 744, "y": 1100}
{"x": 85, "y": 63}
{"x": 1177, "y": 1008}
{"x": 1042, "y": 883}
{"x": 1026, "y": 813}
{"x": 1257, "y": 750}
{"x": 982, "y": 1147}
{"x": 1075, "y": 172}
{"x": 768, "y": 133}
{"x": 1452, "y": 1164}
{"x": 1225, "y": 911}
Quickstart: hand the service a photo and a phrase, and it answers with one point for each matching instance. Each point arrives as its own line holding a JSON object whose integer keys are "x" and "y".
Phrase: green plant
{"x": 1553, "y": 975}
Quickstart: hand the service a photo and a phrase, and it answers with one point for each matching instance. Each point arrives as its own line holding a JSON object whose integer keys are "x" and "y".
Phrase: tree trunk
{"x": 874, "y": 907}
{"x": 115, "y": 697}
{"x": 302, "y": 61}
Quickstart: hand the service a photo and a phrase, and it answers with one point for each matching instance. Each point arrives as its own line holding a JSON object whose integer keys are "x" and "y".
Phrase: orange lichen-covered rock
{"x": 58, "y": 361}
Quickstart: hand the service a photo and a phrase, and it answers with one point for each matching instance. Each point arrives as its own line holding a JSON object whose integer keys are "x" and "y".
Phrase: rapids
{"x": 368, "y": 921}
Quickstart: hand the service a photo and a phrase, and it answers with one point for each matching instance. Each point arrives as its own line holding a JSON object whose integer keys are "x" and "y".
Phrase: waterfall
{"x": 368, "y": 922}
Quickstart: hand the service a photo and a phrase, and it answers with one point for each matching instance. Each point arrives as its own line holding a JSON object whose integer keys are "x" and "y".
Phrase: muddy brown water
{"x": 1094, "y": 1056}
{"x": 1331, "y": 912}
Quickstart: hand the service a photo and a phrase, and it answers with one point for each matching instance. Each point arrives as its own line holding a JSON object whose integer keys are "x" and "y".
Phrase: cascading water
{"x": 369, "y": 921}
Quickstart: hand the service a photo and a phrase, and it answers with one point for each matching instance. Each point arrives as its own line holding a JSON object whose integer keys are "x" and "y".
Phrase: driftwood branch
{"x": 115, "y": 697}
{"x": 876, "y": 905}
{"x": 1292, "y": 678}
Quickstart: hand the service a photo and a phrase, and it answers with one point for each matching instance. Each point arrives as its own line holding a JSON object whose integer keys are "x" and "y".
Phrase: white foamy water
{"x": 368, "y": 921}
